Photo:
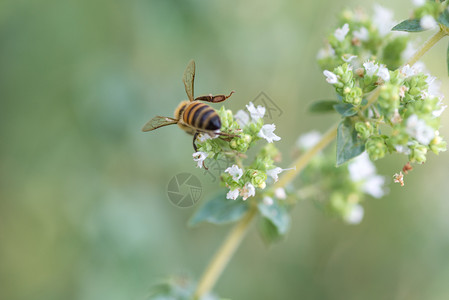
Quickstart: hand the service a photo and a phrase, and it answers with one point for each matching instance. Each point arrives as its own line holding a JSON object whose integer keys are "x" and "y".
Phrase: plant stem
{"x": 227, "y": 249}
{"x": 304, "y": 159}
{"x": 427, "y": 45}
{"x": 224, "y": 254}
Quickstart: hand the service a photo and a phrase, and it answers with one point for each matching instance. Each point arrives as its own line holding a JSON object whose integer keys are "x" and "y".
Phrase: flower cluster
{"x": 339, "y": 190}
{"x": 245, "y": 128}
{"x": 361, "y": 38}
{"x": 403, "y": 114}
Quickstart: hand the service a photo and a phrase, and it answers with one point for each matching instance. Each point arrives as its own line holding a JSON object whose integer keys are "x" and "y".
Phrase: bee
{"x": 193, "y": 116}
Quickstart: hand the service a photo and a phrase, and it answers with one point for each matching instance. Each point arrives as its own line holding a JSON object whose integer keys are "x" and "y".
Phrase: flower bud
{"x": 376, "y": 147}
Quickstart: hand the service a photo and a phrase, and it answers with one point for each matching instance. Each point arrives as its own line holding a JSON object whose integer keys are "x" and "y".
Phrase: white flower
{"x": 438, "y": 112}
{"x": 373, "y": 186}
{"x": 355, "y": 216}
{"x": 340, "y": 33}
{"x": 199, "y": 157}
{"x": 403, "y": 149}
{"x": 235, "y": 172}
{"x": 280, "y": 193}
{"x": 267, "y": 132}
{"x": 428, "y": 22}
{"x": 371, "y": 68}
{"x": 202, "y": 137}
{"x": 383, "y": 19}
{"x": 325, "y": 52}
{"x": 434, "y": 87}
{"x": 273, "y": 173}
{"x": 419, "y": 3}
{"x": 267, "y": 201}
{"x": 361, "y": 34}
{"x": 361, "y": 168}
{"x": 242, "y": 118}
{"x": 308, "y": 140}
{"x": 330, "y": 77}
{"x": 232, "y": 194}
{"x": 248, "y": 191}
{"x": 383, "y": 73}
{"x": 419, "y": 130}
{"x": 408, "y": 71}
{"x": 256, "y": 113}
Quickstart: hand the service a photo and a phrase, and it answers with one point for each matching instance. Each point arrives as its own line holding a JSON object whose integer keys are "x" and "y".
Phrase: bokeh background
{"x": 84, "y": 212}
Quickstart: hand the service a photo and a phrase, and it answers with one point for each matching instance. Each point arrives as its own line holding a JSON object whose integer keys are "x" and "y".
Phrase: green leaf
{"x": 268, "y": 231}
{"x": 443, "y": 19}
{"x": 348, "y": 144}
{"x": 219, "y": 211}
{"x": 345, "y": 109}
{"x": 411, "y": 25}
{"x": 322, "y": 106}
{"x": 277, "y": 215}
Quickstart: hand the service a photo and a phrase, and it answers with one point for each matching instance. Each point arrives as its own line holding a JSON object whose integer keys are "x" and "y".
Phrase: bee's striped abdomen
{"x": 201, "y": 116}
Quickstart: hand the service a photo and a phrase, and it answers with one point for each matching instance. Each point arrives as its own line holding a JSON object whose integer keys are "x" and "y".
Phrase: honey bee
{"x": 193, "y": 116}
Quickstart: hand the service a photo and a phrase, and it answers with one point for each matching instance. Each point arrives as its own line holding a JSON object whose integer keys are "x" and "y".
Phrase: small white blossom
{"x": 361, "y": 168}
{"x": 402, "y": 91}
{"x": 383, "y": 73}
{"x": 438, "y": 112}
{"x": 330, "y": 77}
{"x": 256, "y": 112}
{"x": 419, "y": 3}
{"x": 340, "y": 33}
{"x": 371, "y": 68}
{"x": 235, "y": 172}
{"x": 242, "y": 118}
{"x": 361, "y": 34}
{"x": 355, "y": 216}
{"x": 232, "y": 194}
{"x": 267, "y": 132}
{"x": 373, "y": 186}
{"x": 325, "y": 52}
{"x": 348, "y": 58}
{"x": 267, "y": 201}
{"x": 408, "y": 71}
{"x": 383, "y": 19}
{"x": 199, "y": 157}
{"x": 308, "y": 140}
{"x": 273, "y": 173}
{"x": 419, "y": 130}
{"x": 428, "y": 22}
{"x": 202, "y": 137}
{"x": 248, "y": 191}
{"x": 280, "y": 193}
{"x": 434, "y": 87}
{"x": 403, "y": 149}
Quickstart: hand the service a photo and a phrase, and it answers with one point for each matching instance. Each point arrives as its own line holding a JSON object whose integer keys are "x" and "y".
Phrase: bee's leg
{"x": 227, "y": 134}
{"x": 195, "y": 135}
{"x": 214, "y": 99}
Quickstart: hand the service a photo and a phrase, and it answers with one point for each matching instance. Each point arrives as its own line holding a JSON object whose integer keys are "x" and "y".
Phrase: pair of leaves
{"x": 323, "y": 106}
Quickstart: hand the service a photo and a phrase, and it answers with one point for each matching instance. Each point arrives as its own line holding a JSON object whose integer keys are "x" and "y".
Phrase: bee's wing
{"x": 189, "y": 76}
{"x": 158, "y": 122}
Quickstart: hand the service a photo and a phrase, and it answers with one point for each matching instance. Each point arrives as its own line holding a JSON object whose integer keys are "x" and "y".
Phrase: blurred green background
{"x": 84, "y": 212}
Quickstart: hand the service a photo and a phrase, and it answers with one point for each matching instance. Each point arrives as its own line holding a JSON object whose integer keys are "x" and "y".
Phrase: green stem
{"x": 227, "y": 249}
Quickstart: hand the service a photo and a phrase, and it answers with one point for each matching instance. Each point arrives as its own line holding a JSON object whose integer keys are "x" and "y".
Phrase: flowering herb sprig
{"x": 388, "y": 103}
